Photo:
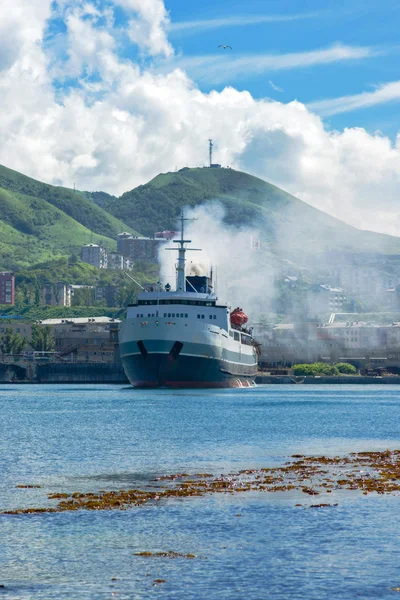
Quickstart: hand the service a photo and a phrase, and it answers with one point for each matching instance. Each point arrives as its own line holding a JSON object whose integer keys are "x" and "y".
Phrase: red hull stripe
{"x": 193, "y": 384}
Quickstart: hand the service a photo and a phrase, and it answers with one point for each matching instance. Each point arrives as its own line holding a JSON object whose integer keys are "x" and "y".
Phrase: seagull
{"x": 225, "y": 47}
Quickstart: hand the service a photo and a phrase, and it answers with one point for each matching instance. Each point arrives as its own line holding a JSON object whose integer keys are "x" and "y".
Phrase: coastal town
{"x": 321, "y": 325}
{"x": 199, "y": 300}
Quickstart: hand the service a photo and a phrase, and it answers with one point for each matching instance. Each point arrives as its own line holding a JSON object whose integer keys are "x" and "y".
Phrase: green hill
{"x": 39, "y": 222}
{"x": 290, "y": 228}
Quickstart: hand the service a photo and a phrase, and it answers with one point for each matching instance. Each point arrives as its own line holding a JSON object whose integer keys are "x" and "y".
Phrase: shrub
{"x": 312, "y": 369}
{"x": 346, "y": 368}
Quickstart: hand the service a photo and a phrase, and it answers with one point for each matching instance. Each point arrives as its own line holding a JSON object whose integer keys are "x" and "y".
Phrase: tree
{"x": 42, "y": 338}
{"x": 346, "y": 368}
{"x": 12, "y": 343}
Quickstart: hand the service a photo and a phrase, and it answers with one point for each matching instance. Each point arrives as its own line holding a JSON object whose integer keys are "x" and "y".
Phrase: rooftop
{"x": 79, "y": 321}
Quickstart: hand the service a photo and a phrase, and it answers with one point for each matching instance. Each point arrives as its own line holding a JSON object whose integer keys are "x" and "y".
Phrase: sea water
{"x": 254, "y": 545}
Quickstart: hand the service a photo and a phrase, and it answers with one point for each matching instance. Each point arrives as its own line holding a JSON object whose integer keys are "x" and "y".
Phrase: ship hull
{"x": 161, "y": 370}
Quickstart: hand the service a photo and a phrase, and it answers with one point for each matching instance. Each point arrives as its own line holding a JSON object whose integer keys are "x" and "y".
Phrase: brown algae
{"x": 367, "y": 472}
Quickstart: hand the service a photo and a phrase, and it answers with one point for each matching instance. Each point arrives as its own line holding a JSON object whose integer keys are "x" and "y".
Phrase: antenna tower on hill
{"x": 211, "y": 151}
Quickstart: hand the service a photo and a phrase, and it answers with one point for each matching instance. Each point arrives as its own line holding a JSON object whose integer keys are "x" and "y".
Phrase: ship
{"x": 186, "y": 338}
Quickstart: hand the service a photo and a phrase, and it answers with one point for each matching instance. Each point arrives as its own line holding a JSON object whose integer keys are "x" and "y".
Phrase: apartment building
{"x": 95, "y": 255}
{"x": 56, "y": 294}
{"x": 7, "y": 288}
{"x": 139, "y": 248}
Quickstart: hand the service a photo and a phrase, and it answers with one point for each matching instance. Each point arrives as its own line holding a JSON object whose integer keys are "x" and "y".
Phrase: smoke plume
{"x": 241, "y": 275}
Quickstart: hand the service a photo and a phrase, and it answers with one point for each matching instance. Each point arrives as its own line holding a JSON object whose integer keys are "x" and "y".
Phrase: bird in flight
{"x": 225, "y": 47}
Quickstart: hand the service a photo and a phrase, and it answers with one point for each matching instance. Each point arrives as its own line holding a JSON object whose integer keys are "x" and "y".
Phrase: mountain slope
{"x": 32, "y": 231}
{"x": 40, "y": 222}
{"x": 288, "y": 225}
{"x": 75, "y": 204}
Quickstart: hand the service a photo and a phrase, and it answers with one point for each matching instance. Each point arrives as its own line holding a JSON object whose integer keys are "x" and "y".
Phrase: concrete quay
{"x": 329, "y": 380}
{"x": 54, "y": 372}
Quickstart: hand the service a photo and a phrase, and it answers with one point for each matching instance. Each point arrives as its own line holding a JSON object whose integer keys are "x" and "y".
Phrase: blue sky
{"x": 367, "y": 24}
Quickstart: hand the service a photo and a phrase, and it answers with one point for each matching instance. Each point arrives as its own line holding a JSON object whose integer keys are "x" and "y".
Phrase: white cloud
{"x": 148, "y": 28}
{"x": 387, "y": 92}
{"x": 236, "y": 21}
{"x": 128, "y": 124}
{"x": 218, "y": 68}
{"x": 21, "y": 28}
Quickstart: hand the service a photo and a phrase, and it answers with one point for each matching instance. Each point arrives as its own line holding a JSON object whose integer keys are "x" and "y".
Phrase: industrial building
{"x": 93, "y": 339}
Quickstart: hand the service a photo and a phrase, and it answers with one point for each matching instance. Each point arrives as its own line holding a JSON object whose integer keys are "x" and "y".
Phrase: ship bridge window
{"x": 236, "y": 336}
{"x": 177, "y": 301}
{"x": 231, "y": 333}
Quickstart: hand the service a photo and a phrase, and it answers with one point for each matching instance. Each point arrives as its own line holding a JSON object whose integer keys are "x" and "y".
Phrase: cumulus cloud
{"x": 118, "y": 125}
{"x": 148, "y": 28}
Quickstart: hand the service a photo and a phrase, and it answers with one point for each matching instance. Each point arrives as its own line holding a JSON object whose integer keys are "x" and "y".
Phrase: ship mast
{"x": 181, "y": 268}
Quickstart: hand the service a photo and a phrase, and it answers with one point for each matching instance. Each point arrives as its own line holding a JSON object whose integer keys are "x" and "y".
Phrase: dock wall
{"x": 328, "y": 380}
{"x": 63, "y": 373}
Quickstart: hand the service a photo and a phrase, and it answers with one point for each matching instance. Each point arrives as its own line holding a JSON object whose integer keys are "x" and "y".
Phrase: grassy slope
{"x": 39, "y": 222}
{"x": 75, "y": 204}
{"x": 248, "y": 201}
{"x": 32, "y": 230}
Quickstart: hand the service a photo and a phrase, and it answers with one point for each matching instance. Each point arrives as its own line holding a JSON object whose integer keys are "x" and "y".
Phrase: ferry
{"x": 186, "y": 338}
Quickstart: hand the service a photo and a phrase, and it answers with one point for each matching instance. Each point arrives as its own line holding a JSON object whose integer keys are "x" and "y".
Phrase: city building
{"x": 56, "y": 294}
{"x": 350, "y": 336}
{"x": 95, "y": 255}
{"x": 7, "y": 288}
{"x": 122, "y": 242}
{"x": 93, "y": 339}
{"x": 17, "y": 326}
{"x": 392, "y": 299}
{"x": 115, "y": 260}
{"x": 166, "y": 235}
{"x": 83, "y": 295}
{"x": 324, "y": 299}
{"x": 365, "y": 276}
{"x": 139, "y": 248}
{"x": 107, "y": 293}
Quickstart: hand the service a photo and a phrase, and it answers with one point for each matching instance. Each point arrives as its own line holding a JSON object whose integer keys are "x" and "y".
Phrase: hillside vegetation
{"x": 288, "y": 225}
{"x": 32, "y": 231}
{"x": 39, "y": 221}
